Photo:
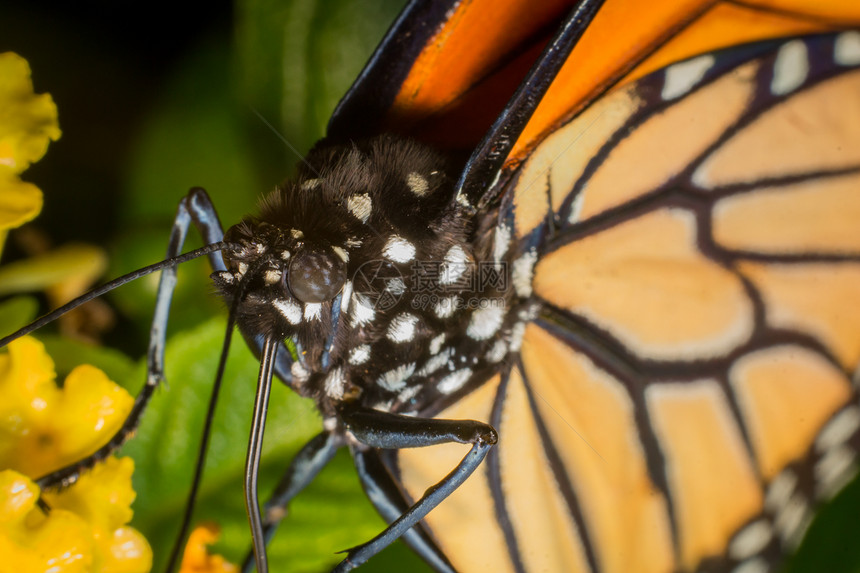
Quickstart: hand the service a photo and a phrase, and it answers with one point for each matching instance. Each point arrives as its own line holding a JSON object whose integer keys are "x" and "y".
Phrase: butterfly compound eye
{"x": 316, "y": 275}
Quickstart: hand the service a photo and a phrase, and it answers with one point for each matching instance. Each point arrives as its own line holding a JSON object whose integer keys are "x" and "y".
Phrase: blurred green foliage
{"x": 224, "y": 96}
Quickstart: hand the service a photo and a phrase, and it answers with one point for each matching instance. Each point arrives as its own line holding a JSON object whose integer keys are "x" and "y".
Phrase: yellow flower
{"x": 30, "y": 540}
{"x": 43, "y": 428}
{"x": 197, "y": 558}
{"x": 27, "y": 123}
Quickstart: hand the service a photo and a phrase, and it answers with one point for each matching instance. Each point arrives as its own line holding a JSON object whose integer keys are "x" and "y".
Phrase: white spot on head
{"x": 790, "y": 68}
{"x": 501, "y": 242}
{"x": 456, "y": 263}
{"x": 453, "y": 382}
{"x": 243, "y": 268}
{"x": 395, "y": 379}
{"x": 497, "y": 352}
{"x": 436, "y": 362}
{"x": 446, "y": 306}
{"x": 360, "y": 205}
{"x": 402, "y": 327}
{"x": 751, "y": 540}
{"x": 259, "y": 248}
{"x": 271, "y": 276}
{"x": 289, "y": 310}
{"x": 285, "y": 255}
{"x": 682, "y": 77}
{"x": 485, "y": 322}
{"x": 362, "y": 313}
{"x": 436, "y": 343}
{"x": 399, "y": 250}
{"x": 226, "y": 276}
{"x": 846, "y": 48}
{"x": 353, "y": 242}
{"x": 313, "y": 311}
{"x": 310, "y": 184}
{"x": 523, "y": 272}
{"x": 359, "y": 354}
{"x": 395, "y": 286}
{"x": 335, "y": 383}
{"x": 417, "y": 184}
{"x": 296, "y": 234}
{"x": 343, "y": 255}
{"x": 345, "y": 296}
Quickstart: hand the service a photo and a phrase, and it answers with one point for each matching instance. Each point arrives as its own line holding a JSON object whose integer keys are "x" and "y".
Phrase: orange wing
{"x": 458, "y": 63}
{"x": 680, "y": 395}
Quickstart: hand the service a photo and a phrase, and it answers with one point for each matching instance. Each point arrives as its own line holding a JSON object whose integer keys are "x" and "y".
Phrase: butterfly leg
{"x": 196, "y": 207}
{"x": 304, "y": 467}
{"x": 382, "y": 491}
{"x": 392, "y": 431}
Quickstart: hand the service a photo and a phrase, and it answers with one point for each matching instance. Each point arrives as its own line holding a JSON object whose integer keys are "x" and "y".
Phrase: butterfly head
{"x": 279, "y": 276}
{"x": 334, "y": 263}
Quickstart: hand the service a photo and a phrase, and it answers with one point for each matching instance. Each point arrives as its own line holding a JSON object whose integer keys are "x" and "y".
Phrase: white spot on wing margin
{"x": 682, "y": 77}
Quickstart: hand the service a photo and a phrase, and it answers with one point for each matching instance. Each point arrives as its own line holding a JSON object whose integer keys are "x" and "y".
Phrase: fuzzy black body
{"x": 424, "y": 311}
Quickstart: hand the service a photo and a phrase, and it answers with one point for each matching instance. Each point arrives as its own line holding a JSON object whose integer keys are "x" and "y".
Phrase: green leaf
{"x": 17, "y": 312}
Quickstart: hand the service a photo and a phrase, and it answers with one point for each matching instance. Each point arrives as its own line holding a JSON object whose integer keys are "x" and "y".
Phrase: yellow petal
{"x": 18, "y": 496}
{"x": 126, "y": 551}
{"x": 27, "y": 121}
{"x": 28, "y": 390}
{"x": 92, "y": 410}
{"x": 43, "y": 428}
{"x": 29, "y": 396}
{"x": 30, "y": 540}
{"x": 102, "y": 496}
{"x": 26, "y": 368}
{"x": 19, "y": 202}
{"x": 61, "y": 541}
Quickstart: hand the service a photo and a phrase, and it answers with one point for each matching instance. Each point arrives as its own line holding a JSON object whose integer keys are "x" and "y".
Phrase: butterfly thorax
{"x": 381, "y": 280}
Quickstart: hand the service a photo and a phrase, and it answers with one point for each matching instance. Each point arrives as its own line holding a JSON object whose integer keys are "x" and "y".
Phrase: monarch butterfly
{"x": 659, "y": 370}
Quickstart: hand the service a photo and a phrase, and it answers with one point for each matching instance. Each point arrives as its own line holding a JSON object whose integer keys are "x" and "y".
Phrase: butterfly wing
{"x": 445, "y": 70}
{"x": 682, "y": 397}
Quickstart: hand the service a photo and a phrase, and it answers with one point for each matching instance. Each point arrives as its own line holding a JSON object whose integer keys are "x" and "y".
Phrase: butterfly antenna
{"x": 191, "y": 501}
{"x": 109, "y": 286}
{"x": 255, "y": 450}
